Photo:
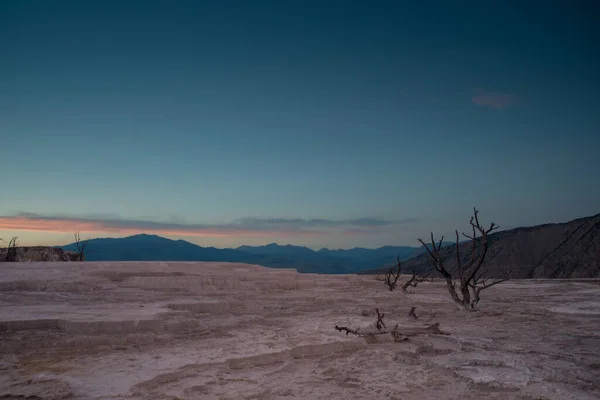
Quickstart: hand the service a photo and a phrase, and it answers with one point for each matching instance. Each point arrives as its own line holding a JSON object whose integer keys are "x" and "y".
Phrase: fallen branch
{"x": 347, "y": 330}
{"x": 412, "y": 313}
{"x": 397, "y": 331}
{"x": 399, "y": 334}
{"x": 380, "y": 324}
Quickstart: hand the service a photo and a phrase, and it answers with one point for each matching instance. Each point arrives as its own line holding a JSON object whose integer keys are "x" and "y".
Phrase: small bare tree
{"x": 470, "y": 272}
{"x": 81, "y": 246}
{"x": 11, "y": 250}
{"x": 393, "y": 275}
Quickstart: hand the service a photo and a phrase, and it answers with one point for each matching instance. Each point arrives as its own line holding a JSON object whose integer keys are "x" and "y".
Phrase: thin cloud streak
{"x": 493, "y": 99}
{"x": 63, "y": 225}
{"x": 358, "y": 232}
{"x": 318, "y": 222}
{"x": 244, "y": 227}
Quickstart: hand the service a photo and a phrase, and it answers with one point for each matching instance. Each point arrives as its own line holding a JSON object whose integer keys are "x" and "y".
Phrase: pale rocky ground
{"x": 233, "y": 331}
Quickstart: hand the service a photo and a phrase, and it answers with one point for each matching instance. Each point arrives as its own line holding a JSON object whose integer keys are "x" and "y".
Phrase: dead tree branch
{"x": 468, "y": 269}
{"x": 81, "y": 246}
{"x": 413, "y": 281}
{"x": 347, "y": 330}
{"x": 11, "y": 250}
{"x": 393, "y": 275}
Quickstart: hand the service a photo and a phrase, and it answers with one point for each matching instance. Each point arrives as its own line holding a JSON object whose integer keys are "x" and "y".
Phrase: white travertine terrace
{"x": 176, "y": 330}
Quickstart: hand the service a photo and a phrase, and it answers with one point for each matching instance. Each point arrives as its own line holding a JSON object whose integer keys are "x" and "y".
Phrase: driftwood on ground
{"x": 404, "y": 331}
{"x": 398, "y": 333}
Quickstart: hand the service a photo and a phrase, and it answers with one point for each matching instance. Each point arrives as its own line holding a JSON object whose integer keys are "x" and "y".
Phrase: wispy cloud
{"x": 244, "y": 227}
{"x": 493, "y": 99}
{"x": 358, "y": 231}
{"x": 313, "y": 222}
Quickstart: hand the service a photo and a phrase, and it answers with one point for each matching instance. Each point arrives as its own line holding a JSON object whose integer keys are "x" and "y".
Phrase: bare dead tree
{"x": 392, "y": 276}
{"x": 11, "y": 250}
{"x": 469, "y": 272}
{"x": 81, "y": 246}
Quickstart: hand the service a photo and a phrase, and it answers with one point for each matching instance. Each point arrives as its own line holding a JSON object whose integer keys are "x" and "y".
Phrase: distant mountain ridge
{"x": 564, "y": 250}
{"x": 144, "y": 247}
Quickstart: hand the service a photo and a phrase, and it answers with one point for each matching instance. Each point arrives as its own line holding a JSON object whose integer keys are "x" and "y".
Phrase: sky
{"x": 318, "y": 123}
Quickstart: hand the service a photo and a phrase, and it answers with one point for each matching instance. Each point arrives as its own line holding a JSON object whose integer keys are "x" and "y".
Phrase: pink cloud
{"x": 70, "y": 225}
{"x": 493, "y": 99}
{"x": 241, "y": 228}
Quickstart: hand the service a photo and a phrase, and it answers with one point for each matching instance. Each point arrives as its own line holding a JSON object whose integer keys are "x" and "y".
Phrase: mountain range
{"x": 563, "y": 250}
{"x": 145, "y": 247}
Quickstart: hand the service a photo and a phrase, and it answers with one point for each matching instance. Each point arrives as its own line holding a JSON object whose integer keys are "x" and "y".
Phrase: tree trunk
{"x": 475, "y": 299}
{"x": 452, "y": 290}
{"x": 466, "y": 295}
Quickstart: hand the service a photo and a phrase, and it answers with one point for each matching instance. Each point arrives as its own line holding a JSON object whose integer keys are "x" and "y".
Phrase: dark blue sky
{"x": 325, "y": 123}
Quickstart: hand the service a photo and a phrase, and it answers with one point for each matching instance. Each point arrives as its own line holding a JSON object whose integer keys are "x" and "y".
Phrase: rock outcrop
{"x": 41, "y": 253}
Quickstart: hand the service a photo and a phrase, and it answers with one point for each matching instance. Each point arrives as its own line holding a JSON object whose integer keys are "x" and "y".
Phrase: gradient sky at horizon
{"x": 318, "y": 123}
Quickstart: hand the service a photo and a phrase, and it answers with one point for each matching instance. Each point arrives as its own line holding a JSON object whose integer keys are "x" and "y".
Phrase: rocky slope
{"x": 566, "y": 250}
